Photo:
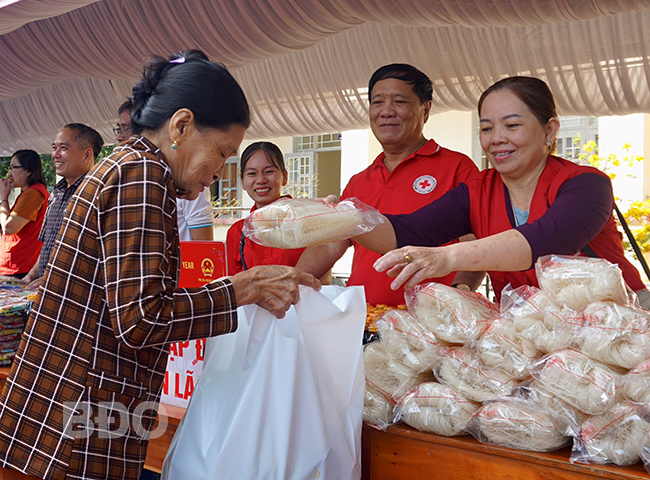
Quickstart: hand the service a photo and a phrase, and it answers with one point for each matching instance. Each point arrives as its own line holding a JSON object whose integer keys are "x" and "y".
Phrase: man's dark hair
{"x": 86, "y": 136}
{"x": 420, "y": 83}
{"x": 127, "y": 106}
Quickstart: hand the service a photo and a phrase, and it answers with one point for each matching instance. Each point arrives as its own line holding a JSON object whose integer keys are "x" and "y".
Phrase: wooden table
{"x": 403, "y": 453}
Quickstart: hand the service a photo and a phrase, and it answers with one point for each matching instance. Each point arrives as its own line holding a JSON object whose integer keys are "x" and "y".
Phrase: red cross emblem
{"x": 424, "y": 184}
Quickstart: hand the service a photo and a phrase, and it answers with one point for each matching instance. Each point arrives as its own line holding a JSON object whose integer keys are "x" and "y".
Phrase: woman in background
{"x": 263, "y": 175}
{"x": 21, "y": 224}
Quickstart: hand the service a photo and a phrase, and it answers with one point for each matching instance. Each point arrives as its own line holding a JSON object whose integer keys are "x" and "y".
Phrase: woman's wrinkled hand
{"x": 412, "y": 265}
{"x": 273, "y": 287}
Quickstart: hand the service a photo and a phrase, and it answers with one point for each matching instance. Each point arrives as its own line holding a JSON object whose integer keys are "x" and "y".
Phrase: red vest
{"x": 489, "y": 216}
{"x": 19, "y": 252}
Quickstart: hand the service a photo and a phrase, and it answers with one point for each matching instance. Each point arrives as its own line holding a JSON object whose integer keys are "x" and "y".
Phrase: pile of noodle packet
{"x": 564, "y": 364}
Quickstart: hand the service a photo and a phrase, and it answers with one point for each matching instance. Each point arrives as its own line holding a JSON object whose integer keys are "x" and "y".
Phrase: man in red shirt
{"x": 410, "y": 173}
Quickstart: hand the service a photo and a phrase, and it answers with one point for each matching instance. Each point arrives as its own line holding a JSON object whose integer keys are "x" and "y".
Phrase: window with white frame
{"x": 300, "y": 170}
{"x": 574, "y": 133}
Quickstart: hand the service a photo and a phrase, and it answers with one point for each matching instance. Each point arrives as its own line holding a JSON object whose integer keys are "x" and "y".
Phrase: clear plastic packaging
{"x": 436, "y": 408}
{"x": 579, "y": 281}
{"x": 454, "y": 316}
{"x": 377, "y": 409}
{"x": 462, "y": 370}
{"x": 537, "y": 318}
{"x": 635, "y": 385}
{"x": 614, "y": 334}
{"x": 304, "y": 222}
{"x": 567, "y": 414}
{"x": 387, "y": 375}
{"x": 586, "y": 384}
{"x": 500, "y": 347}
{"x": 516, "y": 423}
{"x": 616, "y": 436}
{"x": 407, "y": 340}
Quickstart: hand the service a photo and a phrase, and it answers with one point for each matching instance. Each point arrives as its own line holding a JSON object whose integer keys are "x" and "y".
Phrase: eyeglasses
{"x": 122, "y": 130}
{"x": 15, "y": 167}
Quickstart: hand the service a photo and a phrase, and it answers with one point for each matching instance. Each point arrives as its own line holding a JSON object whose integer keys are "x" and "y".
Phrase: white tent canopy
{"x": 305, "y": 64}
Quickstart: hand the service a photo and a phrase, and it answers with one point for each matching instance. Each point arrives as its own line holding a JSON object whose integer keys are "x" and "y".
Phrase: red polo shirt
{"x": 417, "y": 181}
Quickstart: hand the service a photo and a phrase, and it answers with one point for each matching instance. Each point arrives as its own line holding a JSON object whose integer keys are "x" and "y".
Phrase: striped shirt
{"x": 96, "y": 341}
{"x": 56, "y": 206}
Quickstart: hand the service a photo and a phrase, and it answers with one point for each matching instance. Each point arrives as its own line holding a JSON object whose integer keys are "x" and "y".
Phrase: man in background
{"x": 74, "y": 151}
{"x": 410, "y": 173}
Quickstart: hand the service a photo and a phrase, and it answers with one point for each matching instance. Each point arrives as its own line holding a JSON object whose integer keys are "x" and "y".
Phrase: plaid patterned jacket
{"x": 92, "y": 359}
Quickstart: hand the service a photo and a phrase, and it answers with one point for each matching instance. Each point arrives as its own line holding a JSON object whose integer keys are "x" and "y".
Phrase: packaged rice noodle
{"x": 461, "y": 369}
{"x": 567, "y": 415}
{"x": 436, "y": 408}
{"x": 579, "y": 281}
{"x": 615, "y": 436}
{"x": 635, "y": 385}
{"x": 499, "y": 346}
{"x": 377, "y": 408}
{"x": 516, "y": 423}
{"x": 586, "y": 384}
{"x": 454, "y": 316}
{"x": 386, "y": 374}
{"x": 303, "y": 222}
{"x": 614, "y": 334}
{"x": 537, "y": 318}
{"x": 407, "y": 341}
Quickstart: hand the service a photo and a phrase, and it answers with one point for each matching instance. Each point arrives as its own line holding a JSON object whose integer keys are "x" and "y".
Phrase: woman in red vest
{"x": 263, "y": 175}
{"x": 529, "y": 204}
{"x": 21, "y": 224}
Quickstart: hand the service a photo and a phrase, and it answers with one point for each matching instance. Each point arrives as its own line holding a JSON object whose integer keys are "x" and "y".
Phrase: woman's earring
{"x": 175, "y": 145}
{"x": 549, "y": 144}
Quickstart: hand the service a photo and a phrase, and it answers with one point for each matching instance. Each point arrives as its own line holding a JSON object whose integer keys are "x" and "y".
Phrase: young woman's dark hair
{"x": 420, "y": 83}
{"x": 30, "y": 161}
{"x": 271, "y": 150}
{"x": 188, "y": 80}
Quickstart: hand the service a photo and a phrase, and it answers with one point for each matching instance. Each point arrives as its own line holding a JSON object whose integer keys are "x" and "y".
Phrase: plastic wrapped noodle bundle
{"x": 516, "y": 423}
{"x": 462, "y": 370}
{"x": 454, "y": 316}
{"x": 436, "y": 408}
{"x": 568, "y": 416}
{"x": 377, "y": 409}
{"x": 586, "y": 384}
{"x": 635, "y": 385}
{"x": 579, "y": 281}
{"x": 303, "y": 222}
{"x": 407, "y": 341}
{"x": 537, "y": 318}
{"x": 616, "y": 436}
{"x": 389, "y": 376}
{"x": 500, "y": 347}
{"x": 614, "y": 334}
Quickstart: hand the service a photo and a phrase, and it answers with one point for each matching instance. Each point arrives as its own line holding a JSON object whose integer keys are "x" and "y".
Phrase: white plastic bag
{"x": 279, "y": 399}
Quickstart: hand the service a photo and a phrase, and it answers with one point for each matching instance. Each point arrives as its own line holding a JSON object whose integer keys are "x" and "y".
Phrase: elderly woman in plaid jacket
{"x": 81, "y": 397}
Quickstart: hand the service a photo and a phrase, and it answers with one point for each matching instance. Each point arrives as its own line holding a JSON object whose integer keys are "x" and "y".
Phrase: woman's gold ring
{"x": 407, "y": 257}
